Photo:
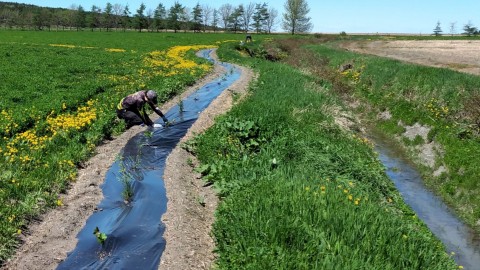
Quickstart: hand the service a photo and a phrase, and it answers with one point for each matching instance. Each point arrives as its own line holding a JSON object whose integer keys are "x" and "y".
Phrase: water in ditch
{"x": 460, "y": 241}
{"x": 134, "y": 230}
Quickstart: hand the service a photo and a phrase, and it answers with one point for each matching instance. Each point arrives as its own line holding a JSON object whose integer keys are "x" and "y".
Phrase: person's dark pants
{"x": 130, "y": 118}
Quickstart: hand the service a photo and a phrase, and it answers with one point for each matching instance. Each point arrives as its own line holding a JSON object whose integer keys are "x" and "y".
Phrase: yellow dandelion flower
{"x": 59, "y": 202}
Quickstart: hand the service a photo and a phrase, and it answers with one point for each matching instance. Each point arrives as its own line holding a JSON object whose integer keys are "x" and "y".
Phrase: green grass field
{"x": 298, "y": 192}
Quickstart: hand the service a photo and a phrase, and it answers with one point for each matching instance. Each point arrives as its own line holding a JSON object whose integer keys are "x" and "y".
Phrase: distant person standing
{"x": 132, "y": 108}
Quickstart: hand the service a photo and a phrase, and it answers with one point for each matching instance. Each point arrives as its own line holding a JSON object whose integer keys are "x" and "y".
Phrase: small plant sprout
{"x": 201, "y": 200}
{"x": 180, "y": 106}
{"x": 190, "y": 162}
{"x": 101, "y": 237}
{"x": 126, "y": 179}
{"x": 148, "y": 133}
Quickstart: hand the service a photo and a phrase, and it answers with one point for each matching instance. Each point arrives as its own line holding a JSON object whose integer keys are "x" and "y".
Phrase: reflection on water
{"x": 456, "y": 236}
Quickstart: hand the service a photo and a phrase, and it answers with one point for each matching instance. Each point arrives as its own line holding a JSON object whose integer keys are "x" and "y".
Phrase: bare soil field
{"x": 460, "y": 55}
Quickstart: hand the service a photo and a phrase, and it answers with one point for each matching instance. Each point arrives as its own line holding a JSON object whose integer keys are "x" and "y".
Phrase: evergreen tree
{"x": 80, "y": 18}
{"x": 126, "y": 18}
{"x": 174, "y": 16}
{"x": 108, "y": 16}
{"x": 140, "y": 17}
{"x": 159, "y": 17}
{"x": 470, "y": 30}
{"x": 197, "y": 17}
{"x": 437, "y": 31}
{"x": 260, "y": 18}
{"x": 235, "y": 21}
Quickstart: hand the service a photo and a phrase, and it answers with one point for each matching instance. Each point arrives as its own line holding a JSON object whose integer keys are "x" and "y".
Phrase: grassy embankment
{"x": 59, "y": 92}
{"x": 444, "y": 100}
{"x": 298, "y": 191}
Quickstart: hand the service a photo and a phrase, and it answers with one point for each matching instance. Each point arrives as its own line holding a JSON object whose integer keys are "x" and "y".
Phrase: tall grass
{"x": 301, "y": 193}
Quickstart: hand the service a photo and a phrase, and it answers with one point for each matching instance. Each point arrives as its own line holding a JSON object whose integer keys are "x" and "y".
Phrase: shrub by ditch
{"x": 258, "y": 50}
{"x": 297, "y": 54}
{"x": 472, "y": 112}
{"x": 237, "y": 140}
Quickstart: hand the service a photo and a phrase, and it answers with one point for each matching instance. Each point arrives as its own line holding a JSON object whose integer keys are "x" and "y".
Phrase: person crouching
{"x": 132, "y": 108}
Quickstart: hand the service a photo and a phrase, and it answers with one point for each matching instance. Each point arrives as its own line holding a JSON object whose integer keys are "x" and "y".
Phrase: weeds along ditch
{"x": 59, "y": 91}
{"x": 128, "y": 227}
{"x": 298, "y": 191}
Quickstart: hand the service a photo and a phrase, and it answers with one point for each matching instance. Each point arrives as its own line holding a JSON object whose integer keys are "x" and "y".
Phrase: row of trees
{"x": 468, "y": 29}
{"x": 256, "y": 17}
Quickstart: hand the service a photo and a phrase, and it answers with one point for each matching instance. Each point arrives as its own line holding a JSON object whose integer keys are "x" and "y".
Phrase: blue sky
{"x": 351, "y": 16}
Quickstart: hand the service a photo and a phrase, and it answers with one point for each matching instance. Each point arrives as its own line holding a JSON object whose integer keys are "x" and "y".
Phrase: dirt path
{"x": 460, "y": 55}
{"x": 189, "y": 245}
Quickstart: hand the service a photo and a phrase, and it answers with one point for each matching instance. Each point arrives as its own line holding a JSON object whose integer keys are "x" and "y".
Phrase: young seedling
{"x": 190, "y": 162}
{"x": 101, "y": 237}
{"x": 180, "y": 106}
{"x": 148, "y": 134}
{"x": 201, "y": 200}
{"x": 126, "y": 179}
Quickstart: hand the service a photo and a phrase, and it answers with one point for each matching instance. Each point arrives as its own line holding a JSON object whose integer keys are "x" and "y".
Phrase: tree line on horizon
{"x": 252, "y": 17}
{"x": 468, "y": 29}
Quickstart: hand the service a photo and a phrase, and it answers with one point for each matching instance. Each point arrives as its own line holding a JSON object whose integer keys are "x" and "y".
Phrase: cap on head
{"x": 152, "y": 95}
